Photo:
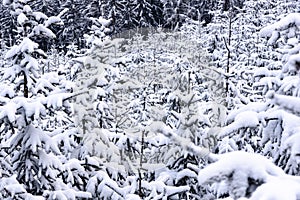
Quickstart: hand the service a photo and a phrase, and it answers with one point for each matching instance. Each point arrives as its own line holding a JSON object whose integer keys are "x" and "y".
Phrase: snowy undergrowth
{"x": 268, "y": 127}
{"x": 150, "y": 112}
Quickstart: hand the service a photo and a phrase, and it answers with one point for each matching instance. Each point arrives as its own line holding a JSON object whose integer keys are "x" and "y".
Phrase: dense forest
{"x": 150, "y": 99}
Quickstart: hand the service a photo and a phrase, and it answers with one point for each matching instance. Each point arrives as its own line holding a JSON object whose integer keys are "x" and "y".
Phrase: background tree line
{"x": 124, "y": 15}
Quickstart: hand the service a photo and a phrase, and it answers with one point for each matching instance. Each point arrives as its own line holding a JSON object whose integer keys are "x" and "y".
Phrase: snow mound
{"x": 243, "y": 172}
{"x": 277, "y": 190}
{"x": 241, "y": 120}
{"x": 252, "y": 165}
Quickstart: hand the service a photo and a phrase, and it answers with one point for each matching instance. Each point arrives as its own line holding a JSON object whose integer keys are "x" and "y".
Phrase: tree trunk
{"x": 25, "y": 85}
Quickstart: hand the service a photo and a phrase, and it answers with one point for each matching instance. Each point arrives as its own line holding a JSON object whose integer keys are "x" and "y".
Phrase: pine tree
{"x": 35, "y": 146}
{"x": 257, "y": 120}
{"x": 75, "y": 25}
{"x": 7, "y": 27}
{"x": 120, "y": 12}
{"x": 146, "y": 13}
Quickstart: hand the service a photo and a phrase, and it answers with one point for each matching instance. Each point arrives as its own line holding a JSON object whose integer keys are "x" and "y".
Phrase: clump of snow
{"x": 7, "y": 90}
{"x": 244, "y": 119}
{"x": 272, "y": 31}
{"x": 185, "y": 173}
{"x": 293, "y": 142}
{"x": 278, "y": 189}
{"x": 292, "y": 41}
{"x": 9, "y": 110}
{"x": 55, "y": 100}
{"x": 236, "y": 168}
{"x": 41, "y": 30}
{"x": 53, "y": 20}
{"x": 287, "y": 102}
{"x": 7, "y": 2}
{"x": 69, "y": 194}
{"x": 26, "y": 46}
{"x": 39, "y": 15}
{"x": 160, "y": 127}
{"x": 22, "y": 19}
{"x": 261, "y": 72}
{"x": 293, "y": 64}
{"x": 27, "y": 9}
{"x": 104, "y": 22}
{"x": 253, "y": 165}
{"x": 12, "y": 186}
{"x": 35, "y": 137}
{"x": 253, "y": 106}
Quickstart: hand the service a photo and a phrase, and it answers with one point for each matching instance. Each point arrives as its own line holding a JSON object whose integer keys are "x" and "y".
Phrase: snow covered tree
{"x": 174, "y": 13}
{"x": 268, "y": 126}
{"x": 240, "y": 174}
{"x": 98, "y": 154}
{"x": 146, "y": 13}
{"x": 162, "y": 86}
{"x": 120, "y": 12}
{"x": 35, "y": 146}
{"x": 286, "y": 87}
{"x": 7, "y": 27}
{"x": 75, "y": 24}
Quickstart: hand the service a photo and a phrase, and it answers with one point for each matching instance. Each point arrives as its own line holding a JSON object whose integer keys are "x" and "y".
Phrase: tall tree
{"x": 75, "y": 25}
{"x": 35, "y": 147}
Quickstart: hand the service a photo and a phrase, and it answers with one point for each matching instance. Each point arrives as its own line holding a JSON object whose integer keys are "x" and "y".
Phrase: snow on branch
{"x": 67, "y": 194}
{"x": 33, "y": 108}
{"x": 272, "y": 31}
{"x": 293, "y": 64}
{"x": 287, "y": 102}
{"x": 160, "y": 127}
{"x": 246, "y": 119}
{"x": 35, "y": 137}
{"x": 237, "y": 169}
{"x": 278, "y": 189}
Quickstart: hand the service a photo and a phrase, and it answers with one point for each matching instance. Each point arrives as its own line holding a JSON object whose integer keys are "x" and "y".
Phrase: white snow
{"x": 236, "y": 168}
{"x": 293, "y": 64}
{"x": 253, "y": 106}
{"x": 39, "y": 15}
{"x": 35, "y": 137}
{"x": 9, "y": 110}
{"x": 272, "y": 31}
{"x": 185, "y": 173}
{"x": 15, "y": 189}
{"x": 104, "y": 22}
{"x": 246, "y": 119}
{"x": 7, "y": 2}
{"x": 287, "y": 102}
{"x": 53, "y": 20}
{"x": 265, "y": 72}
{"x": 22, "y": 19}
{"x": 252, "y": 165}
{"x": 30, "y": 63}
{"x": 185, "y": 143}
{"x": 278, "y": 189}
{"x": 55, "y": 100}
{"x": 27, "y": 9}
{"x": 35, "y": 109}
{"x": 64, "y": 11}
{"x": 7, "y": 90}
{"x": 26, "y": 46}
{"x": 68, "y": 194}
{"x": 11, "y": 185}
{"x": 41, "y": 30}
{"x": 293, "y": 142}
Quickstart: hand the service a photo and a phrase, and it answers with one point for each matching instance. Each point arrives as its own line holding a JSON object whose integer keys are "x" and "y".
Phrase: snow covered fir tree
{"x": 150, "y": 99}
